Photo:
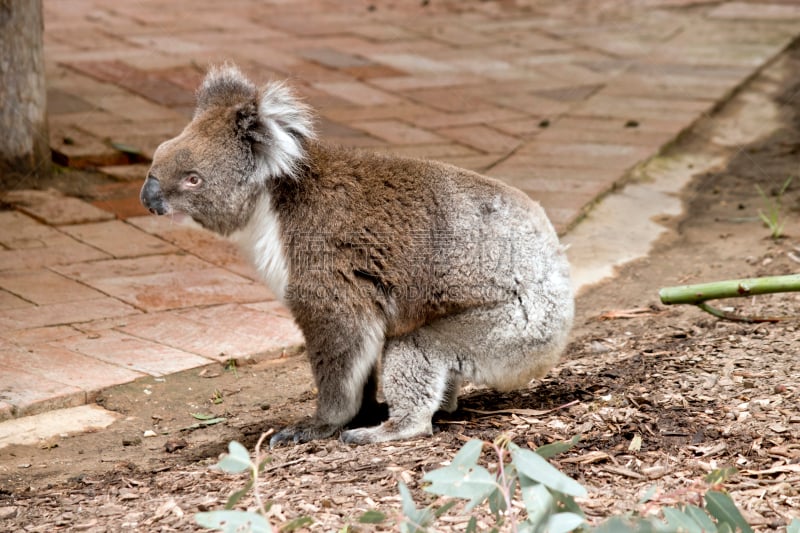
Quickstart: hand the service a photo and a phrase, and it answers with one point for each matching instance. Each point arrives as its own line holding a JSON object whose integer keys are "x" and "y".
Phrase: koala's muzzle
{"x": 152, "y": 197}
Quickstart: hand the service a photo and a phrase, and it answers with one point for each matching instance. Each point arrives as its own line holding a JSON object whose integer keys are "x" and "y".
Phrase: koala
{"x": 407, "y": 273}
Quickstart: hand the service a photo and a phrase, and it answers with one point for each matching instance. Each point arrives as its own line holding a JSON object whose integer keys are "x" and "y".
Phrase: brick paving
{"x": 558, "y": 98}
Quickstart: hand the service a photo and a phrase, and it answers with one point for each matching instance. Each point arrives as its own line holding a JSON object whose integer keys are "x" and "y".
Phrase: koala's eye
{"x": 191, "y": 181}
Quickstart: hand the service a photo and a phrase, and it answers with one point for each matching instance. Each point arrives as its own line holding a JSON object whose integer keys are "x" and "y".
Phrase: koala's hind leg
{"x": 416, "y": 376}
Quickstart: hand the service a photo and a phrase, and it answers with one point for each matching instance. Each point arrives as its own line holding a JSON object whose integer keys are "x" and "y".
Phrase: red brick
{"x": 134, "y": 173}
{"x": 75, "y": 148}
{"x": 9, "y": 301}
{"x": 760, "y": 11}
{"x": 63, "y": 313}
{"x": 137, "y": 266}
{"x": 30, "y": 394}
{"x": 56, "y": 209}
{"x": 45, "y": 287}
{"x": 482, "y": 138}
{"x": 451, "y": 99}
{"x": 63, "y": 251}
{"x": 132, "y": 354}
{"x": 274, "y": 334}
{"x": 357, "y": 93}
{"x": 19, "y": 231}
{"x": 122, "y": 208}
{"x": 403, "y": 110}
{"x": 26, "y": 337}
{"x": 429, "y": 151}
{"x": 118, "y": 239}
{"x": 143, "y": 83}
{"x": 421, "y": 81}
{"x": 332, "y": 58}
{"x": 64, "y": 366}
{"x": 397, "y": 132}
{"x": 179, "y": 289}
{"x": 435, "y": 120}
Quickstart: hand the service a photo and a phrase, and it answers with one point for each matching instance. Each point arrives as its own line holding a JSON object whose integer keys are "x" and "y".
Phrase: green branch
{"x": 700, "y": 293}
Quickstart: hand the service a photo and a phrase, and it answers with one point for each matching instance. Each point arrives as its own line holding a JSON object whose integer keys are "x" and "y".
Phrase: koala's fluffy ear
{"x": 273, "y": 119}
{"x": 224, "y": 86}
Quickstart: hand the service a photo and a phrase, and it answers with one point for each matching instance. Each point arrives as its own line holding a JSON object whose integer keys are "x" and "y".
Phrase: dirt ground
{"x": 701, "y": 393}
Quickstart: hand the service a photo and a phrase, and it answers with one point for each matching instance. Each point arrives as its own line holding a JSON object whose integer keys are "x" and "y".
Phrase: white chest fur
{"x": 261, "y": 242}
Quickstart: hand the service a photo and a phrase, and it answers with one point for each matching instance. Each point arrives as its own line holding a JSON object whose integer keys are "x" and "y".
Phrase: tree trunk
{"x": 24, "y": 144}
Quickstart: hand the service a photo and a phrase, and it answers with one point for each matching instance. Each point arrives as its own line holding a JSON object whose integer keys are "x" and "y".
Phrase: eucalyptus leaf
{"x": 554, "y": 448}
{"x": 722, "y": 507}
{"x": 234, "y": 498}
{"x": 538, "y": 469}
{"x": 794, "y": 526}
{"x": 563, "y": 522}
{"x": 237, "y": 459}
{"x": 468, "y": 454}
{"x": 233, "y": 522}
{"x": 681, "y": 521}
{"x": 702, "y": 518}
{"x": 537, "y": 499}
{"x": 472, "y": 482}
{"x": 416, "y": 520}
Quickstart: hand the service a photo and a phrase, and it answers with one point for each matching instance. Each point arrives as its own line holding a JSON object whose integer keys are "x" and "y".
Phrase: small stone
{"x": 149, "y": 433}
{"x": 780, "y": 389}
{"x": 7, "y": 512}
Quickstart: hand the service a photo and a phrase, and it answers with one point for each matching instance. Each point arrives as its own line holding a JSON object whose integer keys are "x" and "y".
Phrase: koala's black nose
{"x": 151, "y": 196}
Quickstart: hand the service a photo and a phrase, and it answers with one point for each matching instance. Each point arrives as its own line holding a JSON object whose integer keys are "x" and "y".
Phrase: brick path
{"x": 557, "y": 98}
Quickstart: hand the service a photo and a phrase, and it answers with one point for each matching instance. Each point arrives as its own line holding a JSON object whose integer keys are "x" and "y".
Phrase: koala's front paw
{"x": 302, "y": 432}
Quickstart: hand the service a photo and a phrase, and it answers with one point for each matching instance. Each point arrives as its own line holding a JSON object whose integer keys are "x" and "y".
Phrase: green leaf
{"x": 681, "y": 521}
{"x": 416, "y": 520}
{"x": 554, "y": 448}
{"x": 721, "y": 507}
{"x": 794, "y": 526}
{"x": 444, "y": 508}
{"x": 563, "y": 523}
{"x": 234, "y": 498}
{"x": 537, "y": 499}
{"x": 203, "y": 416}
{"x": 233, "y": 521}
{"x": 468, "y": 454}
{"x": 297, "y": 523}
{"x": 702, "y": 518}
{"x": 538, "y": 469}
{"x": 471, "y": 482}
{"x": 372, "y": 517}
{"x": 472, "y": 525}
{"x": 497, "y": 502}
{"x": 566, "y": 503}
{"x": 237, "y": 459}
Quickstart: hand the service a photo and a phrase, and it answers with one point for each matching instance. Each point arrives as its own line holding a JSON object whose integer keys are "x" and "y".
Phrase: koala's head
{"x": 239, "y": 139}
